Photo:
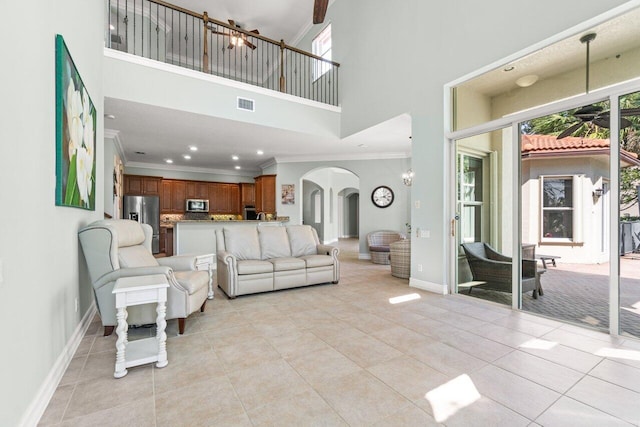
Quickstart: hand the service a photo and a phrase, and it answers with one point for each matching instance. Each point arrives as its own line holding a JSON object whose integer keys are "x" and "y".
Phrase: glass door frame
{"x": 612, "y": 94}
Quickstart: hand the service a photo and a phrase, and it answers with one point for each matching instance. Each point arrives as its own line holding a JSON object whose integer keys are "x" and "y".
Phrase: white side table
{"x": 207, "y": 262}
{"x": 139, "y": 290}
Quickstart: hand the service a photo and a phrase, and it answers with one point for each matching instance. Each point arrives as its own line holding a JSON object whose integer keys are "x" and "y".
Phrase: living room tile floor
{"x": 349, "y": 354}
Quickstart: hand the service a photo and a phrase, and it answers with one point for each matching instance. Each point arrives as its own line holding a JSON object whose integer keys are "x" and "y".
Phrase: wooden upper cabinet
{"x": 197, "y": 190}
{"x": 266, "y": 193}
{"x": 166, "y": 199}
{"x": 248, "y": 194}
{"x": 234, "y": 199}
{"x": 136, "y": 185}
{"x": 178, "y": 196}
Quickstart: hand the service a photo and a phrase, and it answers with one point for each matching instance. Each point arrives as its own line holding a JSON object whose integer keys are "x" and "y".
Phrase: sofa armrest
{"x": 114, "y": 275}
{"x": 327, "y": 250}
{"x": 179, "y": 262}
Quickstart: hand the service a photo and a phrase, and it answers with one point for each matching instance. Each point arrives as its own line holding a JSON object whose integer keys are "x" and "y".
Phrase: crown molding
{"x": 115, "y": 136}
{"x": 164, "y": 166}
{"x": 345, "y": 157}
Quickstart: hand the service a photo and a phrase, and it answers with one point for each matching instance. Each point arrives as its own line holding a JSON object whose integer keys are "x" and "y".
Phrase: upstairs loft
{"x": 167, "y": 33}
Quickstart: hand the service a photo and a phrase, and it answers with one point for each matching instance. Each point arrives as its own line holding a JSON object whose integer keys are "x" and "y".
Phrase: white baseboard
{"x": 428, "y": 286}
{"x": 45, "y": 393}
{"x": 366, "y": 255}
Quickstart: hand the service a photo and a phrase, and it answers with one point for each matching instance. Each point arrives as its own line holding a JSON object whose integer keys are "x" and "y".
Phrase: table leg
{"x": 161, "y": 336}
{"x": 121, "y": 343}
{"x": 210, "y": 294}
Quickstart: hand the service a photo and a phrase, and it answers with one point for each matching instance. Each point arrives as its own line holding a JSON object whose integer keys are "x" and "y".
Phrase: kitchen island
{"x": 197, "y": 237}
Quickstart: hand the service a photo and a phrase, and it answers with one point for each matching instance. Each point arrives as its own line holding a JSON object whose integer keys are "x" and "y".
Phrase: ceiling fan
{"x": 594, "y": 114}
{"x": 237, "y": 38}
{"x": 319, "y": 10}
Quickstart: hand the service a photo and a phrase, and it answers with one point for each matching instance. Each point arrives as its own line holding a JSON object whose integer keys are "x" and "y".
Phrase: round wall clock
{"x": 382, "y": 196}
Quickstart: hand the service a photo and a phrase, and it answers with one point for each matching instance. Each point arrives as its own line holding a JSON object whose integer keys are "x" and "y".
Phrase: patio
{"x": 579, "y": 293}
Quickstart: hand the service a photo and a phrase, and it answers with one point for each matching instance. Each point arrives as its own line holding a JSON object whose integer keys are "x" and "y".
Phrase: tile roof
{"x": 549, "y": 143}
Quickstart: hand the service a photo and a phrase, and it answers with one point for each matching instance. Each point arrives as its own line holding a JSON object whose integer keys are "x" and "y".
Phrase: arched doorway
{"x": 330, "y": 202}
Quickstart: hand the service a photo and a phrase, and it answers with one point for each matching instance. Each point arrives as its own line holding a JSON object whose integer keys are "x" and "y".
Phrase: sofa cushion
{"x": 251, "y": 266}
{"x": 302, "y": 240}
{"x": 379, "y": 248}
{"x": 285, "y": 264}
{"x": 242, "y": 242}
{"x": 192, "y": 281}
{"x": 135, "y": 256}
{"x": 274, "y": 242}
{"x": 317, "y": 260}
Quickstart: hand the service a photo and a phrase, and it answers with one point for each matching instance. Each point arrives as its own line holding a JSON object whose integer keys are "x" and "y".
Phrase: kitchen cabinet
{"x": 266, "y": 193}
{"x": 163, "y": 240}
{"x": 173, "y": 195}
{"x": 224, "y": 198}
{"x": 168, "y": 249}
{"x": 197, "y": 190}
{"x": 178, "y": 196}
{"x": 136, "y": 185}
{"x": 247, "y": 194}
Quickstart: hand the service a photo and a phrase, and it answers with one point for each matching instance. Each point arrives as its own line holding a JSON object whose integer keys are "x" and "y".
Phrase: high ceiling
{"x": 163, "y": 134}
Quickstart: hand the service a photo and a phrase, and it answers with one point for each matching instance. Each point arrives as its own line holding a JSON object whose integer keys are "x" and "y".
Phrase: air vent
{"x": 246, "y": 104}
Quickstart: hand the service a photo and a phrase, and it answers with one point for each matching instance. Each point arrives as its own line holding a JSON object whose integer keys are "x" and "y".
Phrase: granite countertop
{"x": 210, "y": 221}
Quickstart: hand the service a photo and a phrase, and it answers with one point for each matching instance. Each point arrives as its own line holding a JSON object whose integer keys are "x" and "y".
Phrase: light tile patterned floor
{"x": 337, "y": 355}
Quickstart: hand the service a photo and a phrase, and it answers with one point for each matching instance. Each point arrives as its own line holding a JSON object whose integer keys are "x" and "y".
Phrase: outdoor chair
{"x": 379, "y": 241}
{"x": 494, "y": 269}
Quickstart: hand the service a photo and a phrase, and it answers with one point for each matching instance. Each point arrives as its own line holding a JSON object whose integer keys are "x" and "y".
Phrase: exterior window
{"x": 470, "y": 198}
{"x": 321, "y": 46}
{"x": 560, "y": 206}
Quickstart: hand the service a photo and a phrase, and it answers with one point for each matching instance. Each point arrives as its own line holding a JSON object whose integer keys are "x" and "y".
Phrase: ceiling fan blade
{"x": 232, "y": 22}
{"x": 587, "y": 113}
{"x": 230, "y": 46}
{"x": 250, "y": 45}
{"x": 221, "y": 33}
{"x": 255, "y": 31}
{"x": 624, "y": 123}
{"x": 570, "y": 130}
{"x": 625, "y": 112}
{"x": 319, "y": 10}
{"x": 602, "y": 122}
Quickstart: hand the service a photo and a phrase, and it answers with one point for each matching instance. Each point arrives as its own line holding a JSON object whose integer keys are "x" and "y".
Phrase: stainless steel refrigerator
{"x": 144, "y": 209}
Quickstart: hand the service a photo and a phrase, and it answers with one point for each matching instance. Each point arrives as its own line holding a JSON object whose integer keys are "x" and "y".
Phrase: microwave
{"x": 197, "y": 205}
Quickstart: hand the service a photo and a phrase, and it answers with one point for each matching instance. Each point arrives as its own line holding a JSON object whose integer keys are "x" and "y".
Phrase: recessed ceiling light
{"x": 260, "y": 152}
{"x": 509, "y": 68}
{"x": 193, "y": 148}
{"x": 169, "y": 161}
{"x": 238, "y": 167}
{"x": 526, "y": 81}
{"x": 110, "y": 116}
{"x": 234, "y": 157}
{"x": 186, "y": 156}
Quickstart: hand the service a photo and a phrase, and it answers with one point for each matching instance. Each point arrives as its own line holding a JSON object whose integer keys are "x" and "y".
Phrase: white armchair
{"x": 118, "y": 248}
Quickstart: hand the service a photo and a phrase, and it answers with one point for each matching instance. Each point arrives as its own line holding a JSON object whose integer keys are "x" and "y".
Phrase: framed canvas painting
{"x": 288, "y": 194}
{"x": 76, "y": 121}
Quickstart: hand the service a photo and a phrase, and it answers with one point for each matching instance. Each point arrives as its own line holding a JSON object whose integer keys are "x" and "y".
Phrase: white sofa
{"x": 255, "y": 258}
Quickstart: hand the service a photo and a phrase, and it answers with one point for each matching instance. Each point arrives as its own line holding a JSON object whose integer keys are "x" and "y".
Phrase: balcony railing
{"x": 164, "y": 32}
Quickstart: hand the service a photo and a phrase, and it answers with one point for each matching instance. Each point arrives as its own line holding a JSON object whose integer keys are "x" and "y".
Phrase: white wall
{"x": 381, "y": 78}
{"x": 42, "y": 267}
{"x": 371, "y": 173}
